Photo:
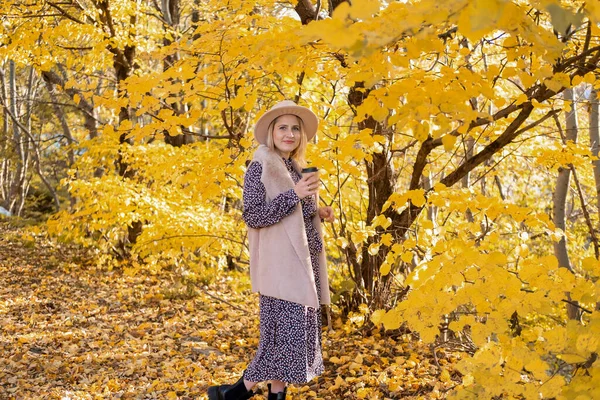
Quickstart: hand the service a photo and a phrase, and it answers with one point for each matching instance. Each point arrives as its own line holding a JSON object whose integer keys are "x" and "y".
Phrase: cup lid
{"x": 310, "y": 169}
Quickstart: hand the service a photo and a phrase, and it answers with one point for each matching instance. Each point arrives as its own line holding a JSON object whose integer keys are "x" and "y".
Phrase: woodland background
{"x": 458, "y": 147}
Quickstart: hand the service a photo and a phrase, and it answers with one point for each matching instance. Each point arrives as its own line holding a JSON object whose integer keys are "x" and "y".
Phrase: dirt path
{"x": 69, "y": 330}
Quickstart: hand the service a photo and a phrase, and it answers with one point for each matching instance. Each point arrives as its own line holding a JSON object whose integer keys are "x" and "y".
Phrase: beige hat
{"x": 310, "y": 120}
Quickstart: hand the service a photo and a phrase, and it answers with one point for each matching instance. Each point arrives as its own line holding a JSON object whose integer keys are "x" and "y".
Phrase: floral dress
{"x": 290, "y": 333}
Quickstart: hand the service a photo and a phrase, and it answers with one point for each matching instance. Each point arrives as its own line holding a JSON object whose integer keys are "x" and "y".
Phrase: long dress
{"x": 290, "y": 333}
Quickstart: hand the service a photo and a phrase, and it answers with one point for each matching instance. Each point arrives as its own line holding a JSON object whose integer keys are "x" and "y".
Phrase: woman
{"x": 287, "y": 259}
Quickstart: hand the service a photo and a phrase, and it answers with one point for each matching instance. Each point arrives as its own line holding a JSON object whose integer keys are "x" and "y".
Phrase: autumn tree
{"x": 423, "y": 105}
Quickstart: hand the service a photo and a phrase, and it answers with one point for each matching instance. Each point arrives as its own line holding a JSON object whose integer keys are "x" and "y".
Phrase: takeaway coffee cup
{"x": 309, "y": 170}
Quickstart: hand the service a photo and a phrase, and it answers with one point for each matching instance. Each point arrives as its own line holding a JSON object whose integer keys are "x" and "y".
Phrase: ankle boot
{"x": 237, "y": 391}
{"x": 276, "y": 396}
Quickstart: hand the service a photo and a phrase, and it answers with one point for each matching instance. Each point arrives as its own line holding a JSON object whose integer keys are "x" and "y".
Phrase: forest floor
{"x": 72, "y": 330}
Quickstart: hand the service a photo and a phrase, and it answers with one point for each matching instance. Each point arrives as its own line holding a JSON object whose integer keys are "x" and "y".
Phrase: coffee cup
{"x": 308, "y": 170}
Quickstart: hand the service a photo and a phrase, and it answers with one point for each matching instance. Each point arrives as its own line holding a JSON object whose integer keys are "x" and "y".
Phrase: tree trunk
{"x": 18, "y": 180}
{"x": 5, "y": 177}
{"x": 123, "y": 70}
{"x": 469, "y": 143}
{"x": 559, "y": 199}
{"x": 595, "y": 142}
{"x": 381, "y": 182}
{"x": 499, "y": 186}
{"x": 124, "y": 65}
{"x": 19, "y": 185}
{"x": 171, "y": 11}
{"x": 29, "y": 146}
{"x": 595, "y": 147}
{"x": 87, "y": 109}
{"x": 60, "y": 115}
{"x": 432, "y": 211}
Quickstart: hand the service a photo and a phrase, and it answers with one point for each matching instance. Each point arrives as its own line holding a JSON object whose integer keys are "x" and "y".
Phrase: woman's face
{"x": 286, "y": 134}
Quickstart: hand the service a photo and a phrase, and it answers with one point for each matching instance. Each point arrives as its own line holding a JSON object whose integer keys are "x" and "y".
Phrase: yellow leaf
{"x": 374, "y": 248}
{"x": 572, "y": 358}
{"x": 587, "y": 343}
{"x": 421, "y": 131}
{"x": 417, "y": 197}
{"x": 590, "y": 264}
{"x": 385, "y": 269}
{"x": 341, "y": 12}
{"x": 342, "y": 242}
{"x": 468, "y": 380}
{"x": 497, "y": 258}
{"x": 461, "y": 129}
{"x": 445, "y": 376}
{"x": 429, "y": 333}
{"x": 521, "y": 99}
{"x": 526, "y": 79}
{"x": 391, "y": 320}
{"x": 380, "y": 113}
{"x": 222, "y": 105}
{"x": 439, "y": 187}
{"x": 407, "y": 256}
{"x": 538, "y": 368}
{"x": 245, "y": 142}
{"x": 427, "y": 224}
{"x": 480, "y": 17}
{"x": 555, "y": 340}
{"x": 387, "y": 239}
{"x": 448, "y": 141}
{"x": 577, "y": 80}
{"x": 590, "y": 77}
{"x": 551, "y": 262}
{"x": 238, "y": 102}
{"x": 554, "y": 85}
{"x": 359, "y": 236}
{"x": 377, "y": 317}
{"x": 362, "y": 393}
{"x": 552, "y": 386}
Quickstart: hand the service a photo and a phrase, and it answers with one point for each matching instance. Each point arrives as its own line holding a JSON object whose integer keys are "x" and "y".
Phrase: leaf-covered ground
{"x": 70, "y": 330}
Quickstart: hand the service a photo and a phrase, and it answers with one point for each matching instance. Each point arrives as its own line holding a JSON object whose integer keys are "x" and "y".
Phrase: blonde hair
{"x": 299, "y": 153}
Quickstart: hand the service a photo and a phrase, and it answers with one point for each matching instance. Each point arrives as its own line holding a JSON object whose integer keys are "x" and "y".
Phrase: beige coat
{"x": 280, "y": 263}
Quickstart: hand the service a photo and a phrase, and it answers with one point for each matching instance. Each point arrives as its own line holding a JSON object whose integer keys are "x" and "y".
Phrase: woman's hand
{"x": 308, "y": 185}
{"x": 326, "y": 213}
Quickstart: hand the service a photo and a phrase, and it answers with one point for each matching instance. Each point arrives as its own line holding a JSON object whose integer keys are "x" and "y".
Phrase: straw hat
{"x": 310, "y": 120}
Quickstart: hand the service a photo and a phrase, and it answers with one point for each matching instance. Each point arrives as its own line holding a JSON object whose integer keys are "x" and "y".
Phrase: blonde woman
{"x": 287, "y": 258}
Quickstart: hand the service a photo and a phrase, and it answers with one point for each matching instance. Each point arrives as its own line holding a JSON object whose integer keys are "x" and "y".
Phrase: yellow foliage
{"x": 479, "y": 258}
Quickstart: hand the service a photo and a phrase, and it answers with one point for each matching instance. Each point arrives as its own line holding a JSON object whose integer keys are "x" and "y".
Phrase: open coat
{"x": 280, "y": 264}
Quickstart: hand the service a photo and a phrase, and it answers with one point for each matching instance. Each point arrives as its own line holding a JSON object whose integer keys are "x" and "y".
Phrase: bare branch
{"x": 64, "y": 13}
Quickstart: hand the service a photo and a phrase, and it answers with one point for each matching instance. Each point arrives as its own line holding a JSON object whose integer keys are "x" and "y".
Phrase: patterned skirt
{"x": 290, "y": 341}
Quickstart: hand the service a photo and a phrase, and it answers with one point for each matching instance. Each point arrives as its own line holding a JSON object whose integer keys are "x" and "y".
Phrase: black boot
{"x": 237, "y": 391}
{"x": 276, "y": 396}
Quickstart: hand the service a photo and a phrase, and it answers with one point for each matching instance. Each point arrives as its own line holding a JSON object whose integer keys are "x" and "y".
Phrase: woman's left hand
{"x": 326, "y": 213}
